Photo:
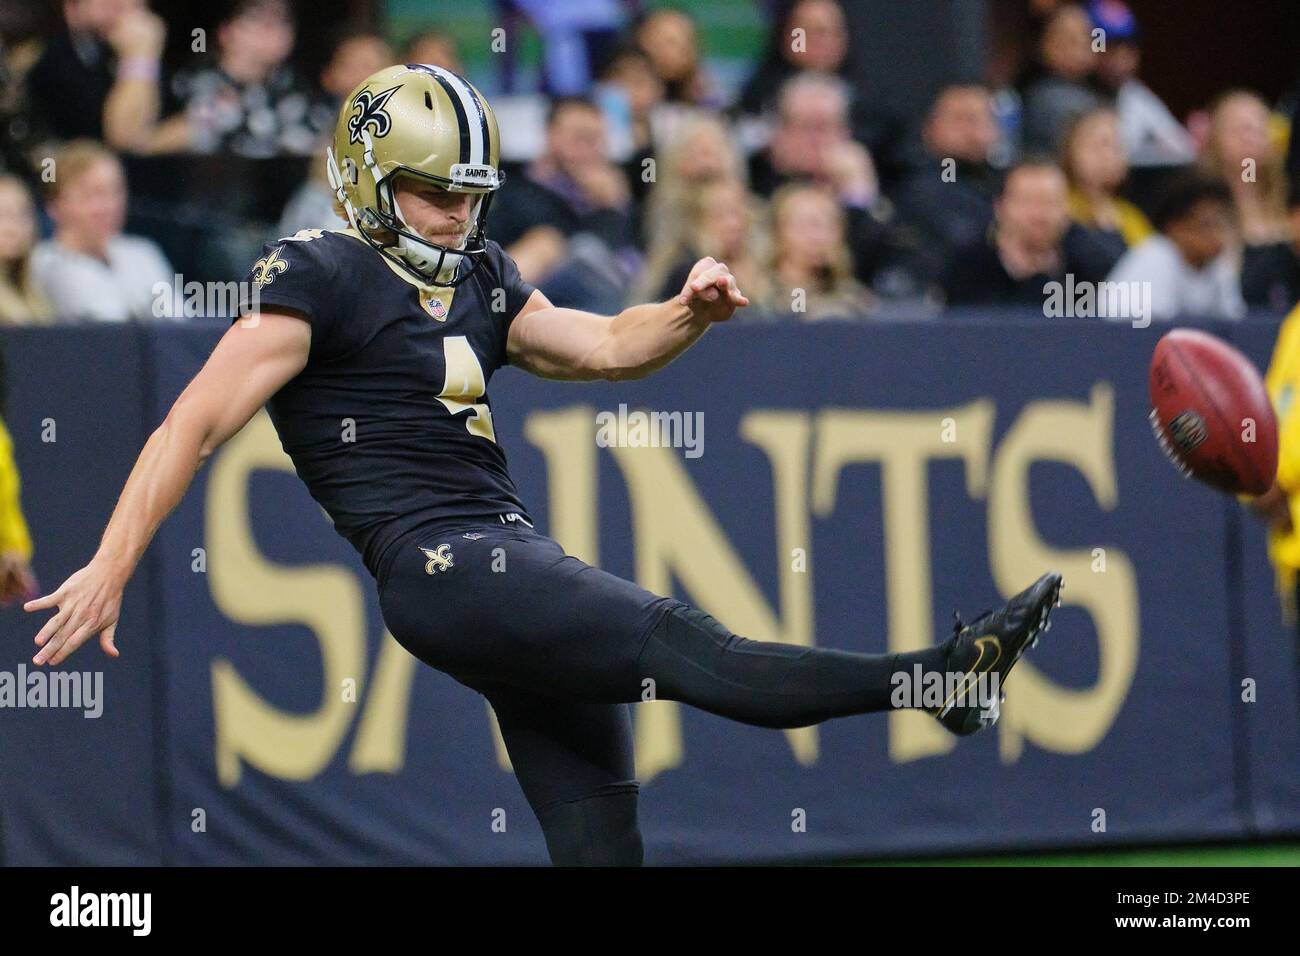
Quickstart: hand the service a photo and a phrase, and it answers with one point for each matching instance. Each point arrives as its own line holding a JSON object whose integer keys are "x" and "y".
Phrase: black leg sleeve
{"x": 693, "y": 659}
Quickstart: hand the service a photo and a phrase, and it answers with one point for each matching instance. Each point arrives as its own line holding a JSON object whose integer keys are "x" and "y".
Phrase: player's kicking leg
{"x": 559, "y": 647}
{"x": 692, "y": 658}
{"x": 512, "y": 606}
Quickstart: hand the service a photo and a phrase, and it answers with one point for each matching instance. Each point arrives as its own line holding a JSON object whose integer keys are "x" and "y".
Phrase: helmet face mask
{"x": 435, "y": 264}
{"x": 428, "y": 124}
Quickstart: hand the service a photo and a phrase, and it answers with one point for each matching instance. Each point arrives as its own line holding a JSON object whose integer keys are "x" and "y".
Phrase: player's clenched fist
{"x": 88, "y": 602}
{"x": 711, "y": 291}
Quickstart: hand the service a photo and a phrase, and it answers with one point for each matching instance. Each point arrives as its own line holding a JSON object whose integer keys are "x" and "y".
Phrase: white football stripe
{"x": 477, "y": 151}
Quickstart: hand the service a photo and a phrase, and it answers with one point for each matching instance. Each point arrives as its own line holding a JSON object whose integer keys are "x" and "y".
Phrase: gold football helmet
{"x": 422, "y": 121}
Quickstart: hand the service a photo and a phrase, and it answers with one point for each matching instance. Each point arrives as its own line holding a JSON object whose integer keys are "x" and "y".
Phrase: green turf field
{"x": 1236, "y": 854}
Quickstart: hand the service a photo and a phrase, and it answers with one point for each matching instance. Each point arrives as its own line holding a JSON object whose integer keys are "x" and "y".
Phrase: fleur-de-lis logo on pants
{"x": 439, "y": 560}
{"x": 368, "y": 110}
{"x": 266, "y": 268}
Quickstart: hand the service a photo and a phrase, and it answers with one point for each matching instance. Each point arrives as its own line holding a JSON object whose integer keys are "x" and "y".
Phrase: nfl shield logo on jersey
{"x": 435, "y": 307}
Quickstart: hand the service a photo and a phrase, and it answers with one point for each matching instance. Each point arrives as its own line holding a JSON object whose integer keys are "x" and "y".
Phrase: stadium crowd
{"x": 630, "y": 162}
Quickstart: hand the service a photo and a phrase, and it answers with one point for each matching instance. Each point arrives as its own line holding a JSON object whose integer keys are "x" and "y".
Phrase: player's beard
{"x": 427, "y": 256}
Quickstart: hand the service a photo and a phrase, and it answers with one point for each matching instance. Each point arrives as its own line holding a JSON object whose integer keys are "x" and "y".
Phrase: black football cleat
{"x": 991, "y": 644}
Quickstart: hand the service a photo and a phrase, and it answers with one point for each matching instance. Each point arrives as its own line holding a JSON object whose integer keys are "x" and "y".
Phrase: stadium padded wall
{"x": 857, "y": 483}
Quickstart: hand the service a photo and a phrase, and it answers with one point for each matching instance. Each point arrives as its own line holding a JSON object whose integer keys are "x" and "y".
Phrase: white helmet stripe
{"x": 474, "y": 117}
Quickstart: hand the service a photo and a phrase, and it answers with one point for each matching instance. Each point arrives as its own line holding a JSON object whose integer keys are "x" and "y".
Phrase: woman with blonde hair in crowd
{"x": 720, "y": 220}
{"x": 21, "y": 300}
{"x": 699, "y": 149}
{"x": 1240, "y": 150}
{"x": 1096, "y": 165}
{"x": 810, "y": 274}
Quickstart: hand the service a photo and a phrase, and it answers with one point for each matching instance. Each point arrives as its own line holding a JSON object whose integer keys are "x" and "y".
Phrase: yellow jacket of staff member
{"x": 1132, "y": 223}
{"x": 1283, "y": 384}
{"x": 13, "y": 529}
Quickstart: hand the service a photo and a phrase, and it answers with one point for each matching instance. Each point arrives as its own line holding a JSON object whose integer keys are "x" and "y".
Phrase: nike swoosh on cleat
{"x": 983, "y": 643}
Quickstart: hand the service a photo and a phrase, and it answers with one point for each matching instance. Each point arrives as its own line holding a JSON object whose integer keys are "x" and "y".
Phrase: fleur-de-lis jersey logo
{"x": 268, "y": 267}
{"x": 439, "y": 559}
{"x": 368, "y": 110}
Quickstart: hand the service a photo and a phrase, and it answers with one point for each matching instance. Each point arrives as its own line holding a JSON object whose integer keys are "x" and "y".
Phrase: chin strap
{"x": 336, "y": 180}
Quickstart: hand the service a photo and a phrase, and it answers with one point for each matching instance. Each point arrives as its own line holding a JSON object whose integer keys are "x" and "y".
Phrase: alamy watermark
{"x": 39, "y": 688}
{"x": 1098, "y": 300}
{"x": 930, "y": 690}
{"x": 133, "y": 911}
{"x": 179, "y": 299}
{"x": 638, "y": 429}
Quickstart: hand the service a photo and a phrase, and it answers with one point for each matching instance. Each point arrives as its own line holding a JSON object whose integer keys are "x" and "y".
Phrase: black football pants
{"x": 560, "y": 648}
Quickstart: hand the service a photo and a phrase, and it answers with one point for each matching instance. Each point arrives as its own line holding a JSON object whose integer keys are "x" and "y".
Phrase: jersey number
{"x": 464, "y": 384}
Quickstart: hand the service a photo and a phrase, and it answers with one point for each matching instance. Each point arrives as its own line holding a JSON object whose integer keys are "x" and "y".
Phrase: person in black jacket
{"x": 947, "y": 204}
{"x": 68, "y": 85}
{"x": 813, "y": 143}
{"x": 1032, "y": 242}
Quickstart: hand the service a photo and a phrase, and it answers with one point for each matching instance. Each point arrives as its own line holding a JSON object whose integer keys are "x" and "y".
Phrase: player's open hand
{"x": 711, "y": 291}
{"x": 88, "y": 603}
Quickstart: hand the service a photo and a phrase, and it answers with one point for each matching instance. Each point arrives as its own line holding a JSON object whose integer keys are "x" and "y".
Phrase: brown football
{"x": 1211, "y": 413}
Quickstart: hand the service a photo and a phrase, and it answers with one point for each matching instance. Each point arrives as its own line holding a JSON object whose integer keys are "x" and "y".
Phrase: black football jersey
{"x": 389, "y": 424}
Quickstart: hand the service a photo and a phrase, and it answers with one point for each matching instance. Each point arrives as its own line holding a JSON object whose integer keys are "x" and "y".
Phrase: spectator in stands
{"x": 823, "y": 47}
{"x": 576, "y": 38}
{"x": 1241, "y": 153}
{"x": 433, "y": 47}
{"x": 1032, "y": 242}
{"x": 1063, "y": 90}
{"x": 719, "y": 220}
{"x": 809, "y": 273}
{"x": 356, "y": 53}
{"x": 812, "y": 143}
{"x": 250, "y": 103}
{"x": 90, "y": 269}
{"x": 1189, "y": 263}
{"x": 136, "y": 98}
{"x": 628, "y": 93}
{"x": 1096, "y": 166}
{"x": 1270, "y": 273}
{"x": 71, "y": 81}
{"x": 668, "y": 37}
{"x": 948, "y": 203}
{"x": 21, "y": 300}
{"x": 1151, "y": 135}
{"x": 813, "y": 38}
{"x": 699, "y": 151}
{"x": 567, "y": 221}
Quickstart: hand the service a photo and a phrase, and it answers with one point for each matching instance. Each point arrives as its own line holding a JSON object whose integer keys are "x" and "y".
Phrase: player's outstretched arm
{"x": 254, "y": 358}
{"x": 573, "y": 345}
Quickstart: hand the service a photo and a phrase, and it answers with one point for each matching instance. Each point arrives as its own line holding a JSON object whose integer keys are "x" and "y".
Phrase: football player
{"x": 394, "y": 326}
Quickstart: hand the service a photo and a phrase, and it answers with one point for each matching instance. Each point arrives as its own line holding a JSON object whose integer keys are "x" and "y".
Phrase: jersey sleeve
{"x": 300, "y": 275}
{"x": 509, "y": 295}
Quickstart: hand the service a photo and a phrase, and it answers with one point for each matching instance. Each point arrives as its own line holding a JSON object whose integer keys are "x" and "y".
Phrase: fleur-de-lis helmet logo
{"x": 368, "y": 111}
